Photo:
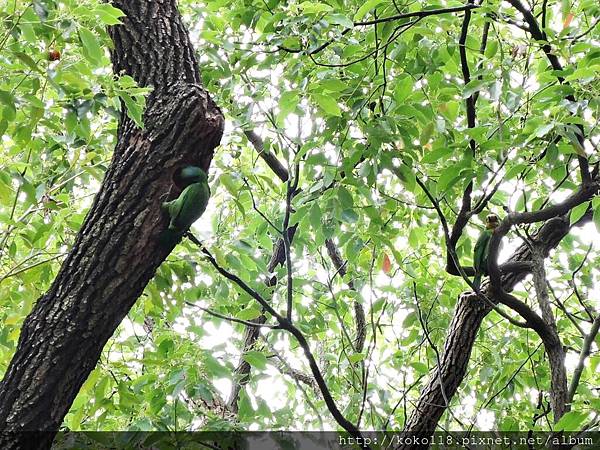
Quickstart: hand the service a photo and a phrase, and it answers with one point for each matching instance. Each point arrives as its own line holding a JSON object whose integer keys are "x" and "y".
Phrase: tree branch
{"x": 269, "y": 158}
{"x": 419, "y": 14}
{"x": 554, "y": 347}
{"x": 463, "y": 330}
{"x": 540, "y": 35}
{"x": 583, "y": 355}
{"x": 229, "y": 318}
{"x": 359, "y": 312}
{"x": 285, "y": 324}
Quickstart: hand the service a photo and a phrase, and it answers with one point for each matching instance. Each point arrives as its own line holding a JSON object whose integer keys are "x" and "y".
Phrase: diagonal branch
{"x": 539, "y": 35}
{"x": 269, "y": 158}
{"x": 285, "y": 324}
{"x": 583, "y": 355}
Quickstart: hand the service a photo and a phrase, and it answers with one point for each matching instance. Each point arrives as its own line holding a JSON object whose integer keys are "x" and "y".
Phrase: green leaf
{"x": 577, "y": 212}
{"x": 109, "y": 14}
{"x": 313, "y": 8}
{"x": 340, "y": 19}
{"x": 91, "y": 48}
{"x": 448, "y": 175}
{"x": 414, "y": 237}
{"x": 426, "y": 133}
{"x": 404, "y": 88}
{"x": 420, "y": 367}
{"x": 349, "y": 216}
{"x": 213, "y": 367}
{"x": 245, "y": 406}
{"x": 166, "y": 346}
{"x": 134, "y": 109}
{"x": 315, "y": 217}
{"x": 514, "y": 171}
{"x": 7, "y": 98}
{"x": 256, "y": 359}
{"x": 472, "y": 87}
{"x": 596, "y": 217}
{"x": 407, "y": 176}
{"x": 365, "y": 8}
{"x": 328, "y": 104}
{"x": 571, "y": 421}
{"x": 434, "y": 155}
{"x": 543, "y": 129}
{"x": 249, "y": 313}
{"x": 288, "y": 102}
{"x": 491, "y": 49}
{"x": 356, "y": 357}
{"x": 333, "y": 85}
{"x": 28, "y": 61}
{"x": 345, "y": 197}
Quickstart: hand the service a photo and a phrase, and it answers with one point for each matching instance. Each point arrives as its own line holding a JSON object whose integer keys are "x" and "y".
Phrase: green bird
{"x": 482, "y": 248}
{"x": 189, "y": 206}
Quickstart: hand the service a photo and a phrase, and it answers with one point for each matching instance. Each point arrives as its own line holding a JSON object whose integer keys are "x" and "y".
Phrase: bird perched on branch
{"x": 189, "y": 206}
{"x": 482, "y": 248}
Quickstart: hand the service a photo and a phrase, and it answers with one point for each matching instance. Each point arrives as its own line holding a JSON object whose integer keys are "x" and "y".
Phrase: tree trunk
{"x": 559, "y": 392}
{"x": 116, "y": 252}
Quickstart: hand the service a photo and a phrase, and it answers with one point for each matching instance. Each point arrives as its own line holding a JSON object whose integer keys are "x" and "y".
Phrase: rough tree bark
{"x": 116, "y": 252}
{"x": 553, "y": 346}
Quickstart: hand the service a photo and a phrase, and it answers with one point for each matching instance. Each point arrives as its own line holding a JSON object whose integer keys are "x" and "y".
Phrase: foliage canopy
{"x": 365, "y": 104}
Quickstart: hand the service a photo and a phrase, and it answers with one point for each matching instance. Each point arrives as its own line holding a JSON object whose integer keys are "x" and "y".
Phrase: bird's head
{"x": 192, "y": 174}
{"x": 492, "y": 221}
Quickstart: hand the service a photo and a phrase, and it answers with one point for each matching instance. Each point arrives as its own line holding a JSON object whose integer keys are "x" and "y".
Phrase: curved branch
{"x": 359, "y": 312}
{"x": 285, "y": 324}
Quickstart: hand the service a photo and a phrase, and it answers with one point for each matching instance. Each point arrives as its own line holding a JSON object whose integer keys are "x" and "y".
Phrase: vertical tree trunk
{"x": 116, "y": 252}
{"x": 559, "y": 392}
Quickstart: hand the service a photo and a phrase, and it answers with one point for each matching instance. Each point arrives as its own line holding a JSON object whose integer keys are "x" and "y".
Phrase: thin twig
{"x": 231, "y": 319}
{"x": 419, "y": 14}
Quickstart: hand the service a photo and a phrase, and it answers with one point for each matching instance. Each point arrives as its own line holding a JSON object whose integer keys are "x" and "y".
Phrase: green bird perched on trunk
{"x": 482, "y": 248}
{"x": 189, "y": 206}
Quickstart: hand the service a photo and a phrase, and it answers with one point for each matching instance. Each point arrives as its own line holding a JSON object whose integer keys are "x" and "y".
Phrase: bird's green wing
{"x": 190, "y": 205}
{"x": 173, "y": 208}
{"x": 480, "y": 251}
{"x": 185, "y": 210}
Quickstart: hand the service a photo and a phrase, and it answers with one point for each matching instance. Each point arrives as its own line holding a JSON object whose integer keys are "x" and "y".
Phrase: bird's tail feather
{"x": 477, "y": 280}
{"x": 169, "y": 237}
